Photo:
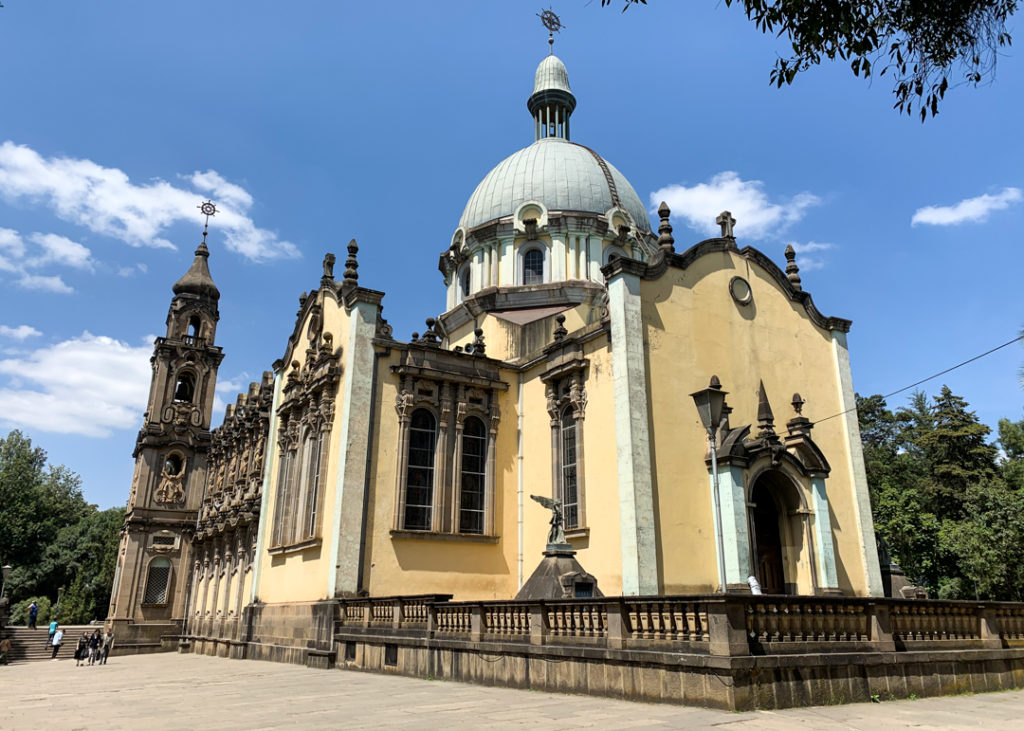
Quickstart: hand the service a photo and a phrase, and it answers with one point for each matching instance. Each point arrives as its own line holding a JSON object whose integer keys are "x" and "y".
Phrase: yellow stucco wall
{"x": 692, "y": 329}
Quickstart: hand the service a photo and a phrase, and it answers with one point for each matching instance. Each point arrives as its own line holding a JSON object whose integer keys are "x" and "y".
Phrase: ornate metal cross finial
{"x": 726, "y": 221}
{"x": 553, "y": 23}
{"x": 207, "y": 209}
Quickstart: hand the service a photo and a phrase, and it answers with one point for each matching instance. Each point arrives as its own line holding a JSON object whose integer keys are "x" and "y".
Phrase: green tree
{"x": 948, "y": 511}
{"x": 51, "y": 535}
{"x": 925, "y": 47}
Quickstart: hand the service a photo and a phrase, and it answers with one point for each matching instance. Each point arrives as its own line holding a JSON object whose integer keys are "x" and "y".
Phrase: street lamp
{"x": 709, "y": 402}
{"x": 56, "y": 609}
{"x": 6, "y": 569}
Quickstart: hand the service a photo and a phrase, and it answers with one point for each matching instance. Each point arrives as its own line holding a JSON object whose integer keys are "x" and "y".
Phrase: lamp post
{"x": 709, "y": 402}
{"x": 56, "y": 609}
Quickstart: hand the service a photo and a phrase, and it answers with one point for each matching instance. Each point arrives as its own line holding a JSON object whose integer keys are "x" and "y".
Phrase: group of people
{"x": 92, "y": 649}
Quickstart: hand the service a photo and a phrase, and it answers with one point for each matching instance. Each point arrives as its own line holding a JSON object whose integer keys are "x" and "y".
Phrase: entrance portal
{"x": 768, "y": 540}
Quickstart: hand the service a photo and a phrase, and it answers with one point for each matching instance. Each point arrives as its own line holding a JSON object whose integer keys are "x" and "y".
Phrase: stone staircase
{"x": 28, "y": 645}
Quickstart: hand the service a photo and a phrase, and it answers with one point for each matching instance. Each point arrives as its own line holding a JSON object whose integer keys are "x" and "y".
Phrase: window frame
{"x": 158, "y": 562}
{"x": 480, "y": 475}
{"x": 521, "y": 254}
{"x": 429, "y": 506}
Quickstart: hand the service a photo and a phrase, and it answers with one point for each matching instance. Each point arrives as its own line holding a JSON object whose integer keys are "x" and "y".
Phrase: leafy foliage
{"x": 947, "y": 507}
{"x": 52, "y": 537}
{"x": 924, "y": 46}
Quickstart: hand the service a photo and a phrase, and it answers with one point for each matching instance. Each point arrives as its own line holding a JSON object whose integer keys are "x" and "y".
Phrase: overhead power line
{"x": 929, "y": 378}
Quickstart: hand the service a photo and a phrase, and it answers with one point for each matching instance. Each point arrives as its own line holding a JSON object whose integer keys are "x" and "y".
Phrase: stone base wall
{"x": 730, "y": 683}
{"x": 137, "y": 639}
{"x": 295, "y": 632}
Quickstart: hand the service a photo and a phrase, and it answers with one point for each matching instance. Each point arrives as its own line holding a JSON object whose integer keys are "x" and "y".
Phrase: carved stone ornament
{"x": 170, "y": 490}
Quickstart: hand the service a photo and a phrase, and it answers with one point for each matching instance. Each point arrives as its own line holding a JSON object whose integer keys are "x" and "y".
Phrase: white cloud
{"x": 61, "y": 250}
{"x": 808, "y": 254}
{"x": 42, "y": 283}
{"x": 969, "y": 209}
{"x": 105, "y": 200}
{"x": 18, "y": 333}
{"x": 87, "y": 385}
{"x": 756, "y": 216}
{"x": 11, "y": 243}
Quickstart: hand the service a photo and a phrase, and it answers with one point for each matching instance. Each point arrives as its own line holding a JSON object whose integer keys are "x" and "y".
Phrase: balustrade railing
{"x": 733, "y": 624}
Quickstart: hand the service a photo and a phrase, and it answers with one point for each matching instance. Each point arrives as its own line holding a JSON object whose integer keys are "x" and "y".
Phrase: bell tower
{"x": 171, "y": 451}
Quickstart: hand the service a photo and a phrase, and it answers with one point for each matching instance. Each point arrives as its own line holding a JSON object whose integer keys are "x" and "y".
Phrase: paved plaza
{"x": 171, "y": 691}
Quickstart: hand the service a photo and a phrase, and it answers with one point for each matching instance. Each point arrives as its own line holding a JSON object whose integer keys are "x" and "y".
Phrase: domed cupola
{"x": 551, "y": 103}
{"x": 552, "y": 212}
{"x": 197, "y": 279}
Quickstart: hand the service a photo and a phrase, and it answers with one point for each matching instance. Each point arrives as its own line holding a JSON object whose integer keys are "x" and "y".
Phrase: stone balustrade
{"x": 713, "y": 624}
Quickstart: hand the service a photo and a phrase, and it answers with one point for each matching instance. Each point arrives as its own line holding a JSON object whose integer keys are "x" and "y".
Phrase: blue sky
{"x": 312, "y": 123}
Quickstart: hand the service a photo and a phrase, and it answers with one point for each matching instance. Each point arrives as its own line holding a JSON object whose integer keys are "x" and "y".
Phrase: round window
{"x": 739, "y": 288}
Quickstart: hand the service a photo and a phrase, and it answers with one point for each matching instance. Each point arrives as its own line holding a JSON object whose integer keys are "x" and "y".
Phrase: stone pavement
{"x": 169, "y": 691}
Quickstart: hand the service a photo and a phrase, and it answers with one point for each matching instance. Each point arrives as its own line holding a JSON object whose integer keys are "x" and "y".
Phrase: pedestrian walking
{"x": 33, "y": 612}
{"x": 58, "y": 638}
{"x": 108, "y": 643}
{"x": 94, "y": 646}
{"x": 81, "y": 649}
{"x": 53, "y": 629}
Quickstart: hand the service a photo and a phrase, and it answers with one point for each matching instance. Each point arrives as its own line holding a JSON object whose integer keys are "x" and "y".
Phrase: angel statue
{"x": 556, "y": 535}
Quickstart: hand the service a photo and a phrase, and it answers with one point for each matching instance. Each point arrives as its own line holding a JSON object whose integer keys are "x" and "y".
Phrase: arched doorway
{"x": 767, "y": 540}
{"x": 780, "y": 548}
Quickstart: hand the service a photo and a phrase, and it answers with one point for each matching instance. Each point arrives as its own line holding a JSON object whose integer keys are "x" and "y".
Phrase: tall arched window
{"x": 570, "y": 486}
{"x": 157, "y": 581}
{"x": 533, "y": 267}
{"x": 472, "y": 490}
{"x": 283, "y": 498}
{"x": 194, "y": 324}
{"x": 464, "y": 282}
{"x": 419, "y": 490}
{"x": 312, "y": 452}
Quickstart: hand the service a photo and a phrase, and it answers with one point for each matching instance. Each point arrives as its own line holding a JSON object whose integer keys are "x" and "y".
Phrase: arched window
{"x": 185, "y": 388}
{"x": 472, "y": 490}
{"x": 282, "y": 509}
{"x": 312, "y": 451}
{"x": 419, "y": 490}
{"x": 464, "y": 282}
{"x": 533, "y": 267}
{"x": 194, "y": 324}
{"x": 174, "y": 465}
{"x": 612, "y": 252}
{"x": 157, "y": 581}
{"x": 569, "y": 484}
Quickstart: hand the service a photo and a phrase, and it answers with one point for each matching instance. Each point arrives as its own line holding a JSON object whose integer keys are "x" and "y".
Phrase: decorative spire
{"x": 328, "y": 276}
{"x": 792, "y": 270}
{"x": 560, "y": 331}
{"x": 665, "y": 241}
{"x": 551, "y": 103}
{"x": 478, "y": 342}
{"x": 726, "y": 221}
{"x": 197, "y": 279}
{"x": 351, "y": 264}
{"x": 554, "y": 25}
{"x": 765, "y": 417}
{"x": 430, "y": 336}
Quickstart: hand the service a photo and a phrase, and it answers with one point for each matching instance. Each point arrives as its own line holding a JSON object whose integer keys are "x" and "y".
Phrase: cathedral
{"x": 576, "y": 346}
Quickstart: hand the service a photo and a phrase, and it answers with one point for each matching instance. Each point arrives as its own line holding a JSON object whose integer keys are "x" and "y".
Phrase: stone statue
{"x": 556, "y": 535}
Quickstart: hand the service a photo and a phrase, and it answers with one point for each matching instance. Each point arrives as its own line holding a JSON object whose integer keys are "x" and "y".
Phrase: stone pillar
{"x": 594, "y": 247}
{"x": 826, "y": 555}
{"x": 557, "y": 268}
{"x": 507, "y": 262}
{"x": 736, "y": 539}
{"x": 629, "y": 376}
{"x": 346, "y": 535}
{"x": 872, "y": 574}
{"x": 268, "y": 464}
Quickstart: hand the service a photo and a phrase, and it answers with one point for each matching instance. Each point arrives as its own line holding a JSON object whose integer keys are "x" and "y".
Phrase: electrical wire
{"x": 929, "y": 378}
